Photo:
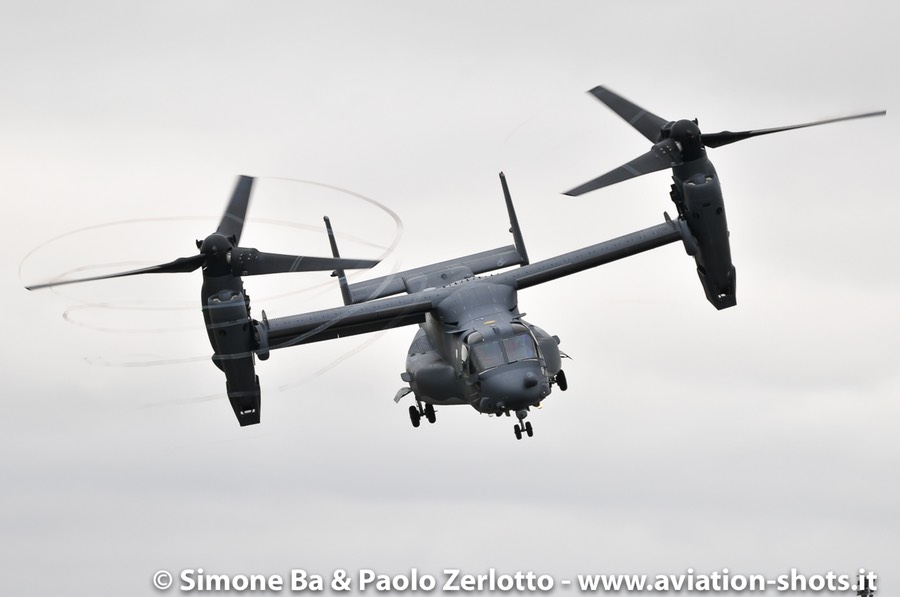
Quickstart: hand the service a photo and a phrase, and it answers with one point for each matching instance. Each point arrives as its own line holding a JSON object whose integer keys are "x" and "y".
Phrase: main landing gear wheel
{"x": 417, "y": 411}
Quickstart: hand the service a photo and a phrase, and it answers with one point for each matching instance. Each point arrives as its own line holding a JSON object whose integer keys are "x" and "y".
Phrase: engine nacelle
{"x": 232, "y": 335}
{"x": 703, "y": 210}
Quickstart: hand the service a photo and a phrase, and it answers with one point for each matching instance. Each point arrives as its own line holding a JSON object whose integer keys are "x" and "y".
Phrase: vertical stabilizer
{"x": 514, "y": 221}
{"x": 339, "y": 273}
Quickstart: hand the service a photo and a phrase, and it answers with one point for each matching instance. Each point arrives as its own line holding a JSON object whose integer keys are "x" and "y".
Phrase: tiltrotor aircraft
{"x": 472, "y": 347}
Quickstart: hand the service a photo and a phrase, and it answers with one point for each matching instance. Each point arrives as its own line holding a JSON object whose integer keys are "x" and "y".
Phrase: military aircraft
{"x": 473, "y": 346}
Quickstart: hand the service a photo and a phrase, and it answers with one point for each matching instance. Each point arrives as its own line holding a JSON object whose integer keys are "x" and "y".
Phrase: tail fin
{"x": 514, "y": 222}
{"x": 339, "y": 273}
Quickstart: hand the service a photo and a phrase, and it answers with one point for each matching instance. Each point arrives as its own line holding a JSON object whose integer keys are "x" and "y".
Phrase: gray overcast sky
{"x": 760, "y": 438}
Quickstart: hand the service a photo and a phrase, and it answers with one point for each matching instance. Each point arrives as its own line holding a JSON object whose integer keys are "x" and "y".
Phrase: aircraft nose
{"x": 514, "y": 385}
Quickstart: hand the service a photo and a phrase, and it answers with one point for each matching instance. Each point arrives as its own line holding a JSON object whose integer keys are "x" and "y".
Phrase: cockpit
{"x": 483, "y": 354}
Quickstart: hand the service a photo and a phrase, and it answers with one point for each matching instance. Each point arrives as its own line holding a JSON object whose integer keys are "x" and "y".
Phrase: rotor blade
{"x": 233, "y": 219}
{"x": 726, "y": 137}
{"x": 250, "y": 262}
{"x": 180, "y": 265}
{"x": 663, "y": 155}
{"x": 647, "y": 123}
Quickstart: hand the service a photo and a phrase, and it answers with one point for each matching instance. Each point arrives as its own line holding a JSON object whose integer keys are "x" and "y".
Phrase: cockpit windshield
{"x": 484, "y": 355}
{"x": 519, "y": 348}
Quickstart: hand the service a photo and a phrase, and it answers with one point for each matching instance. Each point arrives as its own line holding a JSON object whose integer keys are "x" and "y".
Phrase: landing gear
{"x": 522, "y": 426}
{"x": 560, "y": 380}
{"x": 526, "y": 428}
{"x": 417, "y": 411}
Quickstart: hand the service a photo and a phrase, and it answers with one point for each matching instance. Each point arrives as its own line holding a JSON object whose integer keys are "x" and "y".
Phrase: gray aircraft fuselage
{"x": 475, "y": 349}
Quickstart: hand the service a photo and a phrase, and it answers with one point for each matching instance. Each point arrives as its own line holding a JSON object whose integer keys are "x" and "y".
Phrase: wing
{"x": 351, "y": 320}
{"x": 588, "y": 257}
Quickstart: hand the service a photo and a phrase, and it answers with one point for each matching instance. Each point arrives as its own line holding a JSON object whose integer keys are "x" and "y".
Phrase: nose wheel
{"x": 522, "y": 426}
{"x": 417, "y": 411}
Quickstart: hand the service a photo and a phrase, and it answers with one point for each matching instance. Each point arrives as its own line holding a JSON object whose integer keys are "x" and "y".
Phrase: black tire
{"x": 561, "y": 380}
{"x": 414, "y": 416}
{"x": 518, "y": 432}
{"x": 528, "y": 428}
{"x": 430, "y": 414}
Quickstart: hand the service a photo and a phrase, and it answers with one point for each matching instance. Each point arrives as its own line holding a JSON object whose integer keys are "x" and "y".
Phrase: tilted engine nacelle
{"x": 232, "y": 333}
{"x": 681, "y": 146}
{"x": 702, "y": 208}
